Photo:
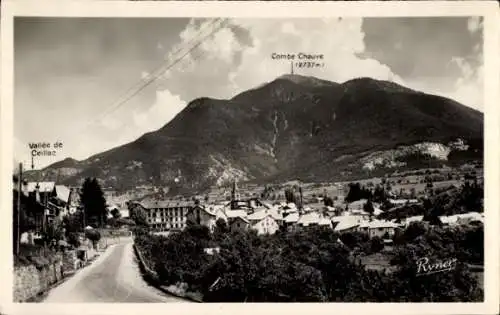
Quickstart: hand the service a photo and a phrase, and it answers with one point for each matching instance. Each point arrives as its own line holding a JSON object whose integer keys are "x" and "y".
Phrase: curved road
{"x": 113, "y": 277}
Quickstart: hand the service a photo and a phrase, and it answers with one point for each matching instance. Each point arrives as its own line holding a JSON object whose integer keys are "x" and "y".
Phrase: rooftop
{"x": 261, "y": 214}
{"x": 43, "y": 186}
{"x": 62, "y": 192}
{"x": 346, "y": 222}
{"x": 151, "y": 204}
{"x": 292, "y": 217}
{"x": 379, "y": 224}
{"x": 313, "y": 218}
{"x": 236, "y": 213}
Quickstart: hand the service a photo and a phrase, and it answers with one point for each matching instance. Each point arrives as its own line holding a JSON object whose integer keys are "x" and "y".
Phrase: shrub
{"x": 73, "y": 239}
{"x": 376, "y": 244}
{"x": 94, "y": 236}
{"x": 310, "y": 265}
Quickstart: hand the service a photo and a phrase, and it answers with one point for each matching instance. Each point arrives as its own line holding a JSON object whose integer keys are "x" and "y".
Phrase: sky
{"x": 79, "y": 81}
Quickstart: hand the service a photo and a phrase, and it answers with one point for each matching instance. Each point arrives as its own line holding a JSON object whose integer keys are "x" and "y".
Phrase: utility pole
{"x": 19, "y": 192}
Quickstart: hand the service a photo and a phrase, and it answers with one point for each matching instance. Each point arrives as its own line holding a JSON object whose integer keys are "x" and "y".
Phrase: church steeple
{"x": 234, "y": 195}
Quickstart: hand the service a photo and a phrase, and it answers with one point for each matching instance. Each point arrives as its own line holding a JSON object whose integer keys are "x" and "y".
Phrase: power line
{"x": 143, "y": 83}
{"x": 164, "y": 63}
{"x": 194, "y": 57}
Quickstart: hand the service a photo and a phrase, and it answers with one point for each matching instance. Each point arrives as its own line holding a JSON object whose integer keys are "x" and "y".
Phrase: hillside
{"x": 293, "y": 127}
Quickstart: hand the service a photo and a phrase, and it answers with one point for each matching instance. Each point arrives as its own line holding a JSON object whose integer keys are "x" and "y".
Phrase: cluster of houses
{"x": 166, "y": 216}
{"x": 265, "y": 218}
{"x": 46, "y": 202}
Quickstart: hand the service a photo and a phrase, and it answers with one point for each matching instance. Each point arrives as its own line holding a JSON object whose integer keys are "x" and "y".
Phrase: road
{"x": 113, "y": 277}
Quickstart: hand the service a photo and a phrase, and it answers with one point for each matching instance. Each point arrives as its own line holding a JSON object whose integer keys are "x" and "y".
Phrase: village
{"x": 371, "y": 225}
{"x": 223, "y": 159}
{"x": 308, "y": 207}
{"x": 378, "y": 208}
{"x": 290, "y": 207}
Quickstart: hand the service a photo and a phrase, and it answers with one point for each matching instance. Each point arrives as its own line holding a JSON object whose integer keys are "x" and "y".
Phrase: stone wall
{"x": 37, "y": 277}
{"x": 39, "y": 274}
{"x": 70, "y": 262}
{"x": 29, "y": 281}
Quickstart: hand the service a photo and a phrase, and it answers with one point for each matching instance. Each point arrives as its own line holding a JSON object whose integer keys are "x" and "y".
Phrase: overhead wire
{"x": 158, "y": 72}
{"x": 166, "y": 65}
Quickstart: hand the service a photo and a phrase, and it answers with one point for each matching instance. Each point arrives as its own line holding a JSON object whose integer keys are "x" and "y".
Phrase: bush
{"x": 94, "y": 236}
{"x": 309, "y": 265}
{"x": 73, "y": 239}
{"x": 376, "y": 244}
{"x": 53, "y": 233}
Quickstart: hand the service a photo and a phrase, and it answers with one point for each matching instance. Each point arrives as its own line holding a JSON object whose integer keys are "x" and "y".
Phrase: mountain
{"x": 293, "y": 127}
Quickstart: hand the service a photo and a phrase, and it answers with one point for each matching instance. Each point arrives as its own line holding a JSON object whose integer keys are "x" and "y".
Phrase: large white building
{"x": 166, "y": 215}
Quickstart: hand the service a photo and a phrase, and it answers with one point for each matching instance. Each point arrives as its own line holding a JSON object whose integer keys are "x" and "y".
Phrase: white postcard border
{"x": 488, "y": 9}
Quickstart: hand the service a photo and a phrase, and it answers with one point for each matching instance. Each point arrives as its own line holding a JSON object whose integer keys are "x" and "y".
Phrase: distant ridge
{"x": 292, "y": 127}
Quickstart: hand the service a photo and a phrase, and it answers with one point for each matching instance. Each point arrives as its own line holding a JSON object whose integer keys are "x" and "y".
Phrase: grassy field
{"x": 405, "y": 182}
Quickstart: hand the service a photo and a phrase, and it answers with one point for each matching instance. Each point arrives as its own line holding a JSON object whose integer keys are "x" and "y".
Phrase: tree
{"x": 221, "y": 228}
{"x": 94, "y": 203}
{"x": 290, "y": 196}
{"x": 328, "y": 202}
{"x": 472, "y": 196}
{"x": 53, "y": 232}
{"x": 379, "y": 194}
{"x": 94, "y": 236}
{"x": 138, "y": 215}
{"x": 266, "y": 193}
{"x": 388, "y": 186}
{"x": 27, "y": 214}
{"x": 73, "y": 224}
{"x": 311, "y": 265}
{"x": 435, "y": 245}
{"x": 357, "y": 192}
{"x": 116, "y": 213}
{"x": 413, "y": 192}
{"x": 376, "y": 244}
{"x": 354, "y": 193}
{"x": 354, "y": 239}
{"x": 368, "y": 207}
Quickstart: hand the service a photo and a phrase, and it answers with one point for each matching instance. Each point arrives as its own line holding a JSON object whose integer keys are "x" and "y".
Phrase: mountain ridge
{"x": 292, "y": 126}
